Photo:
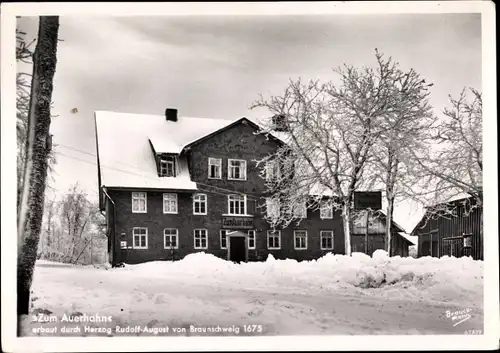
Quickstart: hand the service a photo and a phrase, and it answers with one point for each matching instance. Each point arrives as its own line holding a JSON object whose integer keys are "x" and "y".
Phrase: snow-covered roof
{"x": 320, "y": 190}
{"x": 125, "y": 155}
{"x": 163, "y": 145}
{"x": 456, "y": 197}
{"x": 383, "y": 213}
{"x": 411, "y": 238}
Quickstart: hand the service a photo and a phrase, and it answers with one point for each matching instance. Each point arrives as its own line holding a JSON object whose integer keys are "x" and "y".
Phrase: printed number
{"x": 252, "y": 328}
{"x": 473, "y": 332}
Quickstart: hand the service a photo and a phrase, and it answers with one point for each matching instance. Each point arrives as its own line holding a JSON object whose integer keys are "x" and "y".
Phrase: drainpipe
{"x": 113, "y": 225}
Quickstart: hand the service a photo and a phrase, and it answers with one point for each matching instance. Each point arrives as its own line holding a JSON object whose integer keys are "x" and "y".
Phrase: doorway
{"x": 453, "y": 246}
{"x": 237, "y": 249}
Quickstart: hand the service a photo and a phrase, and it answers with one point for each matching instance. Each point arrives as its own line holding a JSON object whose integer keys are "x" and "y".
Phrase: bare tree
{"x": 330, "y": 131}
{"x": 406, "y": 127}
{"x": 93, "y": 235}
{"x": 72, "y": 228}
{"x": 458, "y": 161}
{"x": 49, "y": 225}
{"x": 94, "y": 239}
{"x": 452, "y": 167}
{"x": 75, "y": 210}
{"x": 36, "y": 157}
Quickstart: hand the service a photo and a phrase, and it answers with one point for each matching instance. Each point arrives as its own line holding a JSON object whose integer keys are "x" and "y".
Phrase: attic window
{"x": 167, "y": 166}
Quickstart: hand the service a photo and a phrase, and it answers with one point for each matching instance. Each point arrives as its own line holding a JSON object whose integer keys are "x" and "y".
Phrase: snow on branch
{"x": 453, "y": 164}
{"x": 333, "y": 134}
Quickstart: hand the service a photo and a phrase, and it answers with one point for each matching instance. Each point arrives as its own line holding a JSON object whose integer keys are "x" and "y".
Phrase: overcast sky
{"x": 216, "y": 66}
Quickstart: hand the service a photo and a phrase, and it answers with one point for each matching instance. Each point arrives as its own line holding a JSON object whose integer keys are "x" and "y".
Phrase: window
{"x": 214, "y": 168}
{"x": 288, "y": 167}
{"x": 169, "y": 203}
{"x": 300, "y": 239}
{"x": 251, "y": 239}
{"x": 300, "y": 210}
{"x": 237, "y": 204}
{"x": 139, "y": 202}
{"x": 273, "y": 239}
{"x": 140, "y": 238}
{"x": 326, "y": 239}
{"x": 171, "y": 238}
{"x": 223, "y": 239}
{"x": 273, "y": 208}
{"x": 200, "y": 239}
{"x": 326, "y": 210}
{"x": 237, "y": 169}
{"x": 200, "y": 204}
{"x": 167, "y": 166}
{"x": 272, "y": 170}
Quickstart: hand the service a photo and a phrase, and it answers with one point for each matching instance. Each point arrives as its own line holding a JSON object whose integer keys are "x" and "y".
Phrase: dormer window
{"x": 167, "y": 166}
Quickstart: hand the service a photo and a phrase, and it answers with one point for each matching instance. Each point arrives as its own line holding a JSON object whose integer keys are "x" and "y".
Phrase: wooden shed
{"x": 368, "y": 242}
{"x": 453, "y": 228}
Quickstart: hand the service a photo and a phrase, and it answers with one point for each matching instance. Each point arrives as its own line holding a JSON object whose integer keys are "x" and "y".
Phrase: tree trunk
{"x": 31, "y": 208}
{"x": 346, "y": 221}
{"x": 388, "y": 226}
{"x": 391, "y": 175}
{"x": 481, "y": 235}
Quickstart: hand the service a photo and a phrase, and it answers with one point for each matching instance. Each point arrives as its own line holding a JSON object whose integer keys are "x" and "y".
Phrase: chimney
{"x": 171, "y": 114}
{"x": 280, "y": 123}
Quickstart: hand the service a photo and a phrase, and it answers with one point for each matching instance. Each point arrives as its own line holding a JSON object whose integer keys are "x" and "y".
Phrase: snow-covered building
{"x": 451, "y": 228}
{"x": 367, "y": 237}
{"x": 171, "y": 186}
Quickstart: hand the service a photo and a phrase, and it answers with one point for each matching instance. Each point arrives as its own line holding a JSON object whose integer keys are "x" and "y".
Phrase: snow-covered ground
{"x": 333, "y": 295}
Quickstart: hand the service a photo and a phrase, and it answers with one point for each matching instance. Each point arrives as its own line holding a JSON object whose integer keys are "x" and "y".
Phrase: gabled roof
{"x": 458, "y": 197}
{"x": 243, "y": 120}
{"x": 394, "y": 224}
{"x": 125, "y": 155}
{"x": 124, "y": 143}
{"x": 452, "y": 200}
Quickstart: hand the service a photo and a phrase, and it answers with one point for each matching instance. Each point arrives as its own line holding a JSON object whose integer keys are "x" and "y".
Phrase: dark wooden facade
{"x": 451, "y": 229}
{"x": 238, "y": 141}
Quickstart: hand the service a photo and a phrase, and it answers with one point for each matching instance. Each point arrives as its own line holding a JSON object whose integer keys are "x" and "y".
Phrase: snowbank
{"x": 446, "y": 279}
{"x": 332, "y": 295}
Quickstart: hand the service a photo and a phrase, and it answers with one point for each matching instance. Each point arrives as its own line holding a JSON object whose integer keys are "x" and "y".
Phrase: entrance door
{"x": 435, "y": 248}
{"x": 237, "y": 249}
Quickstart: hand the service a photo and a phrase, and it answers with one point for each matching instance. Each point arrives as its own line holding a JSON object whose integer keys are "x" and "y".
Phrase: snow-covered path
{"x": 158, "y": 299}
